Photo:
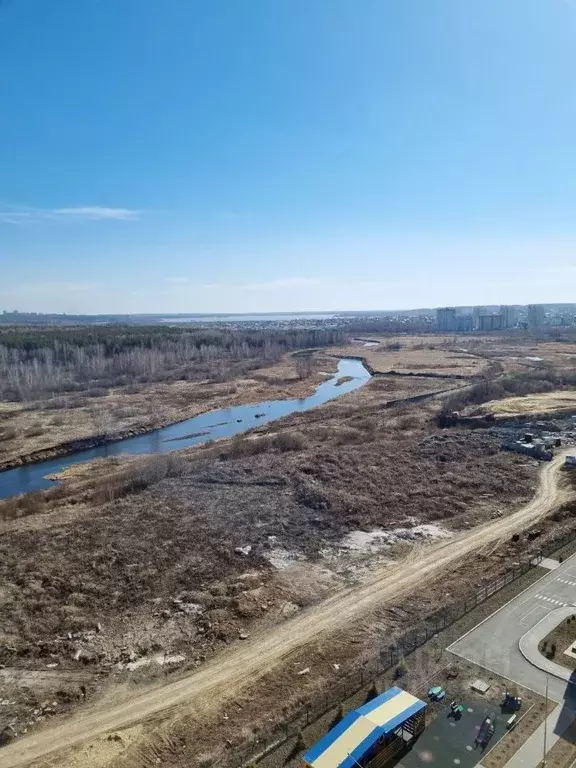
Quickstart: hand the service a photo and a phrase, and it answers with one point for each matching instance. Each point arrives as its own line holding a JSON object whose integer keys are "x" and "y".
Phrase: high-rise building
{"x": 464, "y": 323}
{"x": 536, "y": 317}
{"x": 509, "y": 316}
{"x": 490, "y": 322}
{"x": 446, "y": 319}
{"x": 477, "y": 313}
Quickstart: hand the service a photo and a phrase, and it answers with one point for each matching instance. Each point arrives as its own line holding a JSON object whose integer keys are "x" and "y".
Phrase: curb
{"x": 528, "y": 645}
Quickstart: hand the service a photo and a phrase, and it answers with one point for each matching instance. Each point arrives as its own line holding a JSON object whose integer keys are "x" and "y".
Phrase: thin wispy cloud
{"x": 15, "y": 214}
{"x": 97, "y": 213}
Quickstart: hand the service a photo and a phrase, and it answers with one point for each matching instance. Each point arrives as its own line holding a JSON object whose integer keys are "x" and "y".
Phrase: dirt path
{"x": 206, "y": 689}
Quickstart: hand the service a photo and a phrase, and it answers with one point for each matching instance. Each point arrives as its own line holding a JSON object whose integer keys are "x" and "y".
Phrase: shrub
{"x": 8, "y": 433}
{"x": 34, "y": 431}
{"x": 400, "y": 670}
{"x": 407, "y": 422}
{"x": 299, "y": 746}
{"x": 139, "y": 476}
{"x": 372, "y": 693}
{"x": 97, "y": 392}
{"x": 288, "y": 441}
{"x": 77, "y": 402}
{"x": 338, "y": 716}
{"x": 132, "y": 389}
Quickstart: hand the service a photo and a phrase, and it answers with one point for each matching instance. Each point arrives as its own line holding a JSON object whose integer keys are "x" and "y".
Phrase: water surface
{"x": 199, "y": 429}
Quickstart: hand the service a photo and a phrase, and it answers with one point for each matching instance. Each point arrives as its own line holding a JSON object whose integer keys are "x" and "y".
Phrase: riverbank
{"x": 203, "y": 428}
{"x": 243, "y": 535}
{"x": 40, "y": 431}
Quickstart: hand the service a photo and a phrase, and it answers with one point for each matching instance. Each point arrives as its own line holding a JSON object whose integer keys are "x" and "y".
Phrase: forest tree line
{"x": 38, "y": 362}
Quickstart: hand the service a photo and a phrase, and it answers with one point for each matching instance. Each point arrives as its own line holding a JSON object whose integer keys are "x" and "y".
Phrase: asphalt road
{"x": 493, "y": 644}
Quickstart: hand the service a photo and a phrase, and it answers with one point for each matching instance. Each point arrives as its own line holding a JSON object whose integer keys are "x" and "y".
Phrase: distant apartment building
{"x": 536, "y": 317}
{"x": 464, "y": 323}
{"x": 490, "y": 322}
{"x": 446, "y": 319}
{"x": 477, "y": 313}
{"x": 509, "y": 316}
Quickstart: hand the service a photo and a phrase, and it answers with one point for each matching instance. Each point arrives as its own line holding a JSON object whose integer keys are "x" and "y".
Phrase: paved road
{"x": 494, "y": 643}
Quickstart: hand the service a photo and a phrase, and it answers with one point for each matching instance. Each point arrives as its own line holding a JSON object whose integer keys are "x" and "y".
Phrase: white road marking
{"x": 566, "y": 581}
{"x": 533, "y": 610}
{"x": 552, "y": 600}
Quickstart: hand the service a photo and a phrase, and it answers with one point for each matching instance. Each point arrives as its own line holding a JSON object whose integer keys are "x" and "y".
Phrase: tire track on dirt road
{"x": 207, "y": 688}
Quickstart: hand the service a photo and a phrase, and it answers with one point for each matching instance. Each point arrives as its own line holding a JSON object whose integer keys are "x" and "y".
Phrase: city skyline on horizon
{"x": 489, "y": 308}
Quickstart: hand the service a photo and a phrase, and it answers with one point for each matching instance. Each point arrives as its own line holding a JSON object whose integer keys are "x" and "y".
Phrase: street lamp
{"x": 545, "y": 723}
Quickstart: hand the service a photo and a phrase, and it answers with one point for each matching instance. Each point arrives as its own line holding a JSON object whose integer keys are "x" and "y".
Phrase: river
{"x": 199, "y": 429}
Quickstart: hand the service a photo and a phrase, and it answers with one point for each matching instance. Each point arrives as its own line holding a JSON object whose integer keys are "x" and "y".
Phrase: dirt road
{"x": 218, "y": 680}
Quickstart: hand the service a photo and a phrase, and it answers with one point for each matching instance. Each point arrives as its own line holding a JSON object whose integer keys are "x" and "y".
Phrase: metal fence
{"x": 385, "y": 660}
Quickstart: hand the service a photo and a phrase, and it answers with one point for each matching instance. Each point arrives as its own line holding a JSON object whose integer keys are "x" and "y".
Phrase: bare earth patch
{"x": 561, "y": 639}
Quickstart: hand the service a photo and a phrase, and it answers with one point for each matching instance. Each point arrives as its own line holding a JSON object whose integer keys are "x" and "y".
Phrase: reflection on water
{"x": 199, "y": 429}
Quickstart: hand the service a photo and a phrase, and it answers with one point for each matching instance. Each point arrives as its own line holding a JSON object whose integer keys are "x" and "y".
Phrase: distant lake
{"x": 245, "y": 318}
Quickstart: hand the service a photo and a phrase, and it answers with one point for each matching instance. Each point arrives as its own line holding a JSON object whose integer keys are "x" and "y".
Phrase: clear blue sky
{"x": 261, "y": 155}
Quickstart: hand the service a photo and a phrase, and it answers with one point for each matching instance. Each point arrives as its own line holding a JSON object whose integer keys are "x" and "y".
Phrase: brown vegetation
{"x": 164, "y": 527}
{"x": 36, "y": 362}
{"x": 418, "y": 355}
{"x": 186, "y": 555}
{"x": 42, "y": 426}
{"x": 560, "y": 639}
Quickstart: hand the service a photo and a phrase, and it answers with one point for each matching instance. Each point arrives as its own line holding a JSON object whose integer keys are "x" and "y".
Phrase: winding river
{"x": 199, "y": 429}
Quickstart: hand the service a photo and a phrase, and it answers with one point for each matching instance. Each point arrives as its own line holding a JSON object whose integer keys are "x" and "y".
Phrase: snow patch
{"x": 160, "y": 659}
{"x": 377, "y": 539}
{"x": 282, "y": 559}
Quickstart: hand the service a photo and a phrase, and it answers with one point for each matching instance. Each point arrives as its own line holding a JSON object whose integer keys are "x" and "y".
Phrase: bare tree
{"x": 303, "y": 366}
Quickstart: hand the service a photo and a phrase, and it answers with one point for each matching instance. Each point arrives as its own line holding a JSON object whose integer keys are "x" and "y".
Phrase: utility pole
{"x": 545, "y": 723}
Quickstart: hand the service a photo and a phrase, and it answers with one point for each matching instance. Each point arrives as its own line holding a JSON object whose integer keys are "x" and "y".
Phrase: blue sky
{"x": 268, "y": 155}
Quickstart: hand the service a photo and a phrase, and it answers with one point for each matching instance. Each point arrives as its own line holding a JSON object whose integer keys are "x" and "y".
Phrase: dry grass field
{"x": 141, "y": 566}
{"x": 530, "y": 405}
{"x": 30, "y": 427}
{"x": 420, "y": 355}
